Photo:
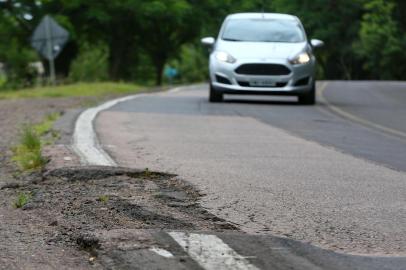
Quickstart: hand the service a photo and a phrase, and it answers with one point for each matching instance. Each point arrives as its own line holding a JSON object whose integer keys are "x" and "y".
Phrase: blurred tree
{"x": 192, "y": 64}
{"x": 337, "y": 23}
{"x": 111, "y": 22}
{"x": 381, "y": 43}
{"x": 14, "y": 52}
{"x": 166, "y": 26}
{"x": 91, "y": 65}
{"x": 361, "y": 36}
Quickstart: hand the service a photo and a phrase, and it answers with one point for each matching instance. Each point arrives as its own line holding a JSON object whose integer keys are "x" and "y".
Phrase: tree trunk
{"x": 121, "y": 57}
{"x": 159, "y": 68}
{"x": 117, "y": 55}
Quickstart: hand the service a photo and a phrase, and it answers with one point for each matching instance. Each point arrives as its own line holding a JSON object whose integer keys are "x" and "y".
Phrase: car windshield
{"x": 263, "y": 30}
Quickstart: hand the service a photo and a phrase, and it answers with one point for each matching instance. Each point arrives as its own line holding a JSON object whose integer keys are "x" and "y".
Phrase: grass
{"x": 3, "y": 80}
{"x": 104, "y": 199}
{"x": 21, "y": 200}
{"x": 28, "y": 153}
{"x": 45, "y": 126}
{"x": 72, "y": 90}
{"x": 30, "y": 139}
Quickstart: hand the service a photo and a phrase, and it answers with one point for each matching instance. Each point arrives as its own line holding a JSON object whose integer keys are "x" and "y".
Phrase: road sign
{"x": 171, "y": 72}
{"x": 48, "y": 39}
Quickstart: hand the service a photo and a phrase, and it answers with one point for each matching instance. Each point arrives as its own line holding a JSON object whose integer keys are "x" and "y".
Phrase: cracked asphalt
{"x": 273, "y": 167}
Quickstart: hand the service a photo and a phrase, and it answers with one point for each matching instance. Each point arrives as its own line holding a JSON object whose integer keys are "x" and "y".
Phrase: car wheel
{"x": 309, "y": 98}
{"x": 215, "y": 96}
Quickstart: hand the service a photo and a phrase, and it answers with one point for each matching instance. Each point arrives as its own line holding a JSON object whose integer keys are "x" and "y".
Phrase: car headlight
{"x": 302, "y": 58}
{"x": 225, "y": 57}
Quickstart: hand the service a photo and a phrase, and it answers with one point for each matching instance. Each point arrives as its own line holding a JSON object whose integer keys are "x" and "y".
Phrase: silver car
{"x": 262, "y": 53}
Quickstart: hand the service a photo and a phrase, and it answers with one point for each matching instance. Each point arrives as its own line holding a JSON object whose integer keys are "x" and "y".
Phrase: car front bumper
{"x": 225, "y": 79}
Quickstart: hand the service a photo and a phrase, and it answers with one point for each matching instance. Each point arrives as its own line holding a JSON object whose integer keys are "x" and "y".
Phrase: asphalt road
{"x": 224, "y": 251}
{"x": 333, "y": 175}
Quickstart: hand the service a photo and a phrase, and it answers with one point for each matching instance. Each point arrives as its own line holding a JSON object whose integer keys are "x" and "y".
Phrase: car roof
{"x": 262, "y": 16}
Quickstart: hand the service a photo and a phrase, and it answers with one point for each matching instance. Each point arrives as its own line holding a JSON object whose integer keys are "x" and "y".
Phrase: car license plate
{"x": 262, "y": 83}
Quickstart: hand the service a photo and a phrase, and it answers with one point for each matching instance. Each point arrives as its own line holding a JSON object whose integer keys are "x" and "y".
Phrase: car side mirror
{"x": 316, "y": 43}
{"x": 208, "y": 41}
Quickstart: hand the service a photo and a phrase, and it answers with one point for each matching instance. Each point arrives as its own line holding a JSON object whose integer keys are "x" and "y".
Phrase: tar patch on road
{"x": 78, "y": 201}
{"x": 120, "y": 218}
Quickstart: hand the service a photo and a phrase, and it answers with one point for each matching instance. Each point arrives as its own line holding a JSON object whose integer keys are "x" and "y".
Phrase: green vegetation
{"x": 46, "y": 126}
{"x": 381, "y": 43}
{"x": 104, "y": 199}
{"x": 22, "y": 199}
{"x": 73, "y": 90}
{"x": 30, "y": 138}
{"x": 3, "y": 80}
{"x": 133, "y": 40}
{"x": 193, "y": 64}
{"x": 91, "y": 65}
{"x": 28, "y": 153}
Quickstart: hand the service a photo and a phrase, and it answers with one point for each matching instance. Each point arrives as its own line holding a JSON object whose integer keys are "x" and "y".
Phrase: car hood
{"x": 261, "y": 50}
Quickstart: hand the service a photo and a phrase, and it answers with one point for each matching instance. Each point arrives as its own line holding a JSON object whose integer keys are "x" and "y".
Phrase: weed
{"x": 30, "y": 139}
{"x": 29, "y": 160}
{"x": 104, "y": 199}
{"x": 22, "y": 199}
{"x": 28, "y": 153}
{"x": 46, "y": 126}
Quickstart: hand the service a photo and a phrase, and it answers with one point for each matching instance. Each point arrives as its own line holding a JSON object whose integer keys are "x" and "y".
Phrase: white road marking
{"x": 210, "y": 252}
{"x": 161, "y": 252}
{"x": 85, "y": 142}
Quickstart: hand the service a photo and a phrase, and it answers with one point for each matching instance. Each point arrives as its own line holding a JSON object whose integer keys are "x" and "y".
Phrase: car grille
{"x": 247, "y": 84}
{"x": 263, "y": 69}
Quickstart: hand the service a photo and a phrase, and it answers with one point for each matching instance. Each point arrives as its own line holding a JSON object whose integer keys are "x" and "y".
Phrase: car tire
{"x": 308, "y": 98}
{"x": 214, "y": 95}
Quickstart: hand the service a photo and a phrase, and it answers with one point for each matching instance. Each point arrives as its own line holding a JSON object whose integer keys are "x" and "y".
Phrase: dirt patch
{"x": 90, "y": 198}
{"x": 71, "y": 203}
{"x": 72, "y": 209}
{"x": 24, "y": 234}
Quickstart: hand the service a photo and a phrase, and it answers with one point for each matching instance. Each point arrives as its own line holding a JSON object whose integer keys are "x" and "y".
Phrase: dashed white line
{"x": 210, "y": 252}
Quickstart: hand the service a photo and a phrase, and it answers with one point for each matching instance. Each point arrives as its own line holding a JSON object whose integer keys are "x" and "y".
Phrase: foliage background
{"x": 133, "y": 40}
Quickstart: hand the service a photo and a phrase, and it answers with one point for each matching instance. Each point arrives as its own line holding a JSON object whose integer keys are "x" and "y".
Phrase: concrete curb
{"x": 85, "y": 141}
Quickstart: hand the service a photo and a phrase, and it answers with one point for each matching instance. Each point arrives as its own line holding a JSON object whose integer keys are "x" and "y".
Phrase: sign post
{"x": 48, "y": 39}
{"x": 49, "y": 48}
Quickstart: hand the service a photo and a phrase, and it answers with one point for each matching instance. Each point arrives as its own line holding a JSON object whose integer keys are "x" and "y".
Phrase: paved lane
{"x": 224, "y": 251}
{"x": 272, "y": 167}
{"x": 380, "y": 103}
